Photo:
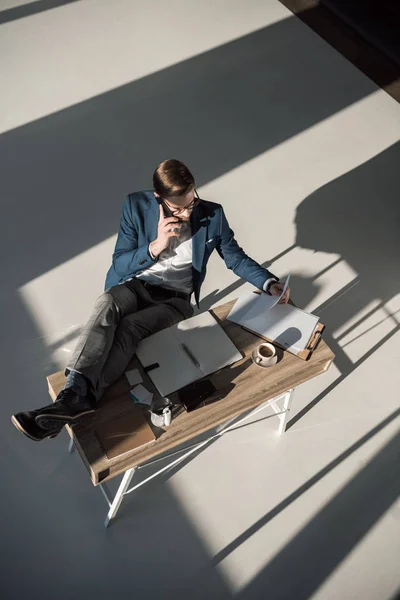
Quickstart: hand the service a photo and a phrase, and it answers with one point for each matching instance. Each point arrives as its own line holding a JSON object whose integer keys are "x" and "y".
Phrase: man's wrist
{"x": 152, "y": 251}
{"x": 155, "y": 249}
{"x": 268, "y": 283}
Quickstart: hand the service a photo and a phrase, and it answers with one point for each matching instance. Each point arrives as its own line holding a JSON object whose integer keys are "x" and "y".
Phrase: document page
{"x": 175, "y": 368}
{"x": 208, "y": 343}
{"x": 186, "y": 352}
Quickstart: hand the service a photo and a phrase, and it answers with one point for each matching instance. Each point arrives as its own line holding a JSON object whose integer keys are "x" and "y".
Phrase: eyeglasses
{"x": 178, "y": 211}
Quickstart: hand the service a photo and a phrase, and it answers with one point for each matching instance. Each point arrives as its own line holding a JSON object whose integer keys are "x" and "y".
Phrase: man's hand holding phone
{"x": 168, "y": 227}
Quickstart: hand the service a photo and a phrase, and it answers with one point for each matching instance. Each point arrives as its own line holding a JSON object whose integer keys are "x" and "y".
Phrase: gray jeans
{"x": 122, "y": 316}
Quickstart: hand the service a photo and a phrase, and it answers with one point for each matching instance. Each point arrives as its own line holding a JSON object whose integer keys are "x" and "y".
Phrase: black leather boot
{"x": 25, "y": 422}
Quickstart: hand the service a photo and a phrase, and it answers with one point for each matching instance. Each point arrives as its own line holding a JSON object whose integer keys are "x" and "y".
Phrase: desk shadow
{"x": 317, "y": 550}
{"x": 230, "y": 375}
{"x": 222, "y": 392}
{"x": 303, "y": 488}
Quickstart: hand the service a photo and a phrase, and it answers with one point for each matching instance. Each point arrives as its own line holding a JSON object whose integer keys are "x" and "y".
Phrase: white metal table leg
{"x": 123, "y": 486}
{"x": 195, "y": 447}
{"x": 284, "y": 411}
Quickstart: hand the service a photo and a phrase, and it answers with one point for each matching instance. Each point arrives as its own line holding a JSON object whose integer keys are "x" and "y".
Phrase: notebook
{"x": 186, "y": 352}
{"x": 124, "y": 434}
{"x": 285, "y": 324}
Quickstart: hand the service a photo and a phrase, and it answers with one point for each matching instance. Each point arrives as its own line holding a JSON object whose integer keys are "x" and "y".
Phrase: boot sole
{"x": 18, "y": 426}
{"x": 66, "y": 419}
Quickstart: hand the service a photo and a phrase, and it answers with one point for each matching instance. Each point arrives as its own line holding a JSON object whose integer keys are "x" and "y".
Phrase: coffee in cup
{"x": 265, "y": 354}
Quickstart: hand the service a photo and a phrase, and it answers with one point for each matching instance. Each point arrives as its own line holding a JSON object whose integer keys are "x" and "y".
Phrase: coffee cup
{"x": 167, "y": 416}
{"x": 160, "y": 412}
{"x": 265, "y": 355}
{"x": 162, "y": 418}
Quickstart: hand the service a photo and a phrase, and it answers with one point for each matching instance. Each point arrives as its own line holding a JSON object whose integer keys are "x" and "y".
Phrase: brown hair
{"x": 172, "y": 178}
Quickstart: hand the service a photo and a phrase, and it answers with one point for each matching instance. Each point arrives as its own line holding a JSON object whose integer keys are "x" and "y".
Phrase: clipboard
{"x": 284, "y": 325}
{"x": 303, "y": 354}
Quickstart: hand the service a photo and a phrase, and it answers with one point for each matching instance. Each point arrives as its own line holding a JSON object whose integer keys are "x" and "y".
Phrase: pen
{"x": 190, "y": 355}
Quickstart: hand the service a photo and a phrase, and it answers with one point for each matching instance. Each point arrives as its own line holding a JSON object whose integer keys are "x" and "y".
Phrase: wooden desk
{"x": 243, "y": 386}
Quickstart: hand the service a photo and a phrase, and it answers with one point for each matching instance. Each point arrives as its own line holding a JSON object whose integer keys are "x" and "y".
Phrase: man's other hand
{"x": 276, "y": 289}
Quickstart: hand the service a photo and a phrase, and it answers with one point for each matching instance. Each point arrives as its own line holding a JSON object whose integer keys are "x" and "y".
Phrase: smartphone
{"x": 168, "y": 213}
{"x": 195, "y": 394}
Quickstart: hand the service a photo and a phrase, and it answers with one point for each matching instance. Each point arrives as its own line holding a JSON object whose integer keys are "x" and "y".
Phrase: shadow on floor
{"x": 315, "y": 552}
{"x": 301, "y": 490}
{"x": 27, "y": 10}
{"x": 358, "y": 217}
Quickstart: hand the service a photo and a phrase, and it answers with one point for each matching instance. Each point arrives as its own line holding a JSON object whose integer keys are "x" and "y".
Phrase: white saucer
{"x": 271, "y": 364}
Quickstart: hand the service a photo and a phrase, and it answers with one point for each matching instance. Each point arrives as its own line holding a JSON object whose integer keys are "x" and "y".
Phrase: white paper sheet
{"x": 250, "y": 305}
{"x": 134, "y": 377}
{"x": 288, "y": 326}
{"x": 142, "y": 395}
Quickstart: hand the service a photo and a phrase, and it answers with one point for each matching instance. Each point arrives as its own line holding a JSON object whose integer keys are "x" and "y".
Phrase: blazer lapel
{"x": 152, "y": 217}
{"x": 199, "y": 223}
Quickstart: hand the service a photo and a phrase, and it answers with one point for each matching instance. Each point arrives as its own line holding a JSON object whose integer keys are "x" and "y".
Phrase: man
{"x": 165, "y": 239}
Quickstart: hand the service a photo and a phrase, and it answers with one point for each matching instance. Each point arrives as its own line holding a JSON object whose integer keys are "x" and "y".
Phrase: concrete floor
{"x": 302, "y": 149}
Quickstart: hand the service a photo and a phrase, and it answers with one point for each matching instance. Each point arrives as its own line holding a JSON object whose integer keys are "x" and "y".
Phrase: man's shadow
{"x": 356, "y": 216}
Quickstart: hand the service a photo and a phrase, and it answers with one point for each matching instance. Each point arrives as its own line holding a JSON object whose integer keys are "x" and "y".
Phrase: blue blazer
{"x": 210, "y": 231}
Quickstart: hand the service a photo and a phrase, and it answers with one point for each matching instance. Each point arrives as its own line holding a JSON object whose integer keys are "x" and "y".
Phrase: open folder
{"x": 186, "y": 352}
{"x": 283, "y": 324}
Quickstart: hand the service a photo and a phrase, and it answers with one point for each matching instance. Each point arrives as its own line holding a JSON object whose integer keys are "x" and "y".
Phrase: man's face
{"x": 180, "y": 203}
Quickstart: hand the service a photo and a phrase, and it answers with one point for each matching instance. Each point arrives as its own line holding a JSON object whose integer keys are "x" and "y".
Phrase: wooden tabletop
{"x": 241, "y": 386}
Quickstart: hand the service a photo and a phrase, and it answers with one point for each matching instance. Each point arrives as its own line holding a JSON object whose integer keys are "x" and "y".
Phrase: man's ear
{"x": 156, "y": 195}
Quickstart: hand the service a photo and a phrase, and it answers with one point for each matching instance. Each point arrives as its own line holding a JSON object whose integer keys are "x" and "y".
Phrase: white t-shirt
{"x": 173, "y": 270}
